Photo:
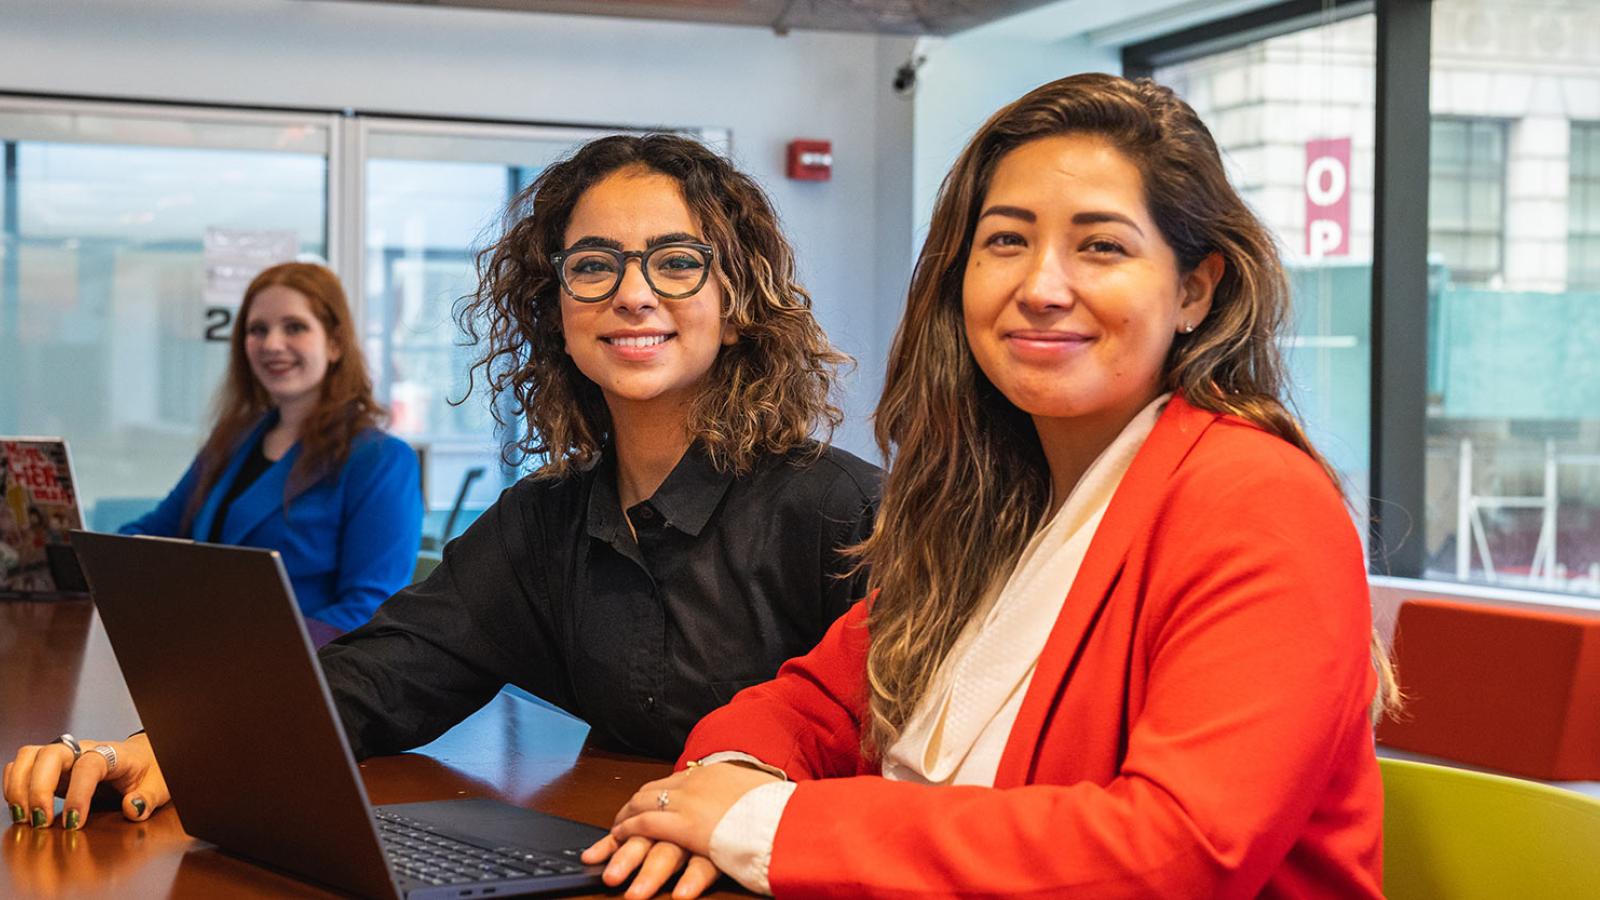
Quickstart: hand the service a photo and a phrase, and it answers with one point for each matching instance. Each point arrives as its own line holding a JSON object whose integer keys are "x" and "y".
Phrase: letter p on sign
{"x": 1327, "y": 188}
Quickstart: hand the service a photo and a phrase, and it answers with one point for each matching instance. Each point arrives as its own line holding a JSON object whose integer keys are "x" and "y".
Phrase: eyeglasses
{"x": 673, "y": 271}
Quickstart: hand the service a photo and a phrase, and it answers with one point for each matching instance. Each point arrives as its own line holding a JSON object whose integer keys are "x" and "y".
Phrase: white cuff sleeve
{"x": 741, "y": 844}
{"x": 735, "y": 756}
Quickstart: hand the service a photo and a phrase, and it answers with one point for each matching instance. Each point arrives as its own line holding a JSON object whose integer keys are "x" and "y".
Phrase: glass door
{"x": 435, "y": 195}
{"x": 113, "y": 315}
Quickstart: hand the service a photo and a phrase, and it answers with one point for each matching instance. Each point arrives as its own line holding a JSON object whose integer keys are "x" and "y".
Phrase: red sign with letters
{"x": 1327, "y": 192}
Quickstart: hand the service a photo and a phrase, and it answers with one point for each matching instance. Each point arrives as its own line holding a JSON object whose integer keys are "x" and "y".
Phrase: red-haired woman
{"x": 296, "y": 461}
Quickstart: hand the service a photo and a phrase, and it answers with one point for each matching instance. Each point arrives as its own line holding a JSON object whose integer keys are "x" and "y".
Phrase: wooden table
{"x": 57, "y": 673}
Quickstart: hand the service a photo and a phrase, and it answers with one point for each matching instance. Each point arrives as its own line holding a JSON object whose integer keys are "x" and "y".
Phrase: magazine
{"x": 38, "y": 506}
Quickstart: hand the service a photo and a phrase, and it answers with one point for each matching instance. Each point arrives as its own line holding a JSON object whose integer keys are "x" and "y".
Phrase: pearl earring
{"x": 1188, "y": 328}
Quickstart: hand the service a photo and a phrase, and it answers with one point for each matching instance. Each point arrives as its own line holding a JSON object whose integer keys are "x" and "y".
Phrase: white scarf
{"x": 959, "y": 730}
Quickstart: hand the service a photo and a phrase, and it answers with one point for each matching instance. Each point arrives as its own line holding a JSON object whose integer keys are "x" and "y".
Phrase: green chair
{"x": 1456, "y": 834}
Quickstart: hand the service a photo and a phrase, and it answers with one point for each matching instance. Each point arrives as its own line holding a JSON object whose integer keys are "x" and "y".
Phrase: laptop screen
{"x": 38, "y": 506}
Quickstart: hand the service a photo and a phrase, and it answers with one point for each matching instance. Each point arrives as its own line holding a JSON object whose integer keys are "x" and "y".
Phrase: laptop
{"x": 217, "y": 660}
{"x": 38, "y": 506}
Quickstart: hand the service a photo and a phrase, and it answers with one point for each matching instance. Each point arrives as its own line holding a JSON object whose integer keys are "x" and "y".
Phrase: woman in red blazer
{"x": 1120, "y": 643}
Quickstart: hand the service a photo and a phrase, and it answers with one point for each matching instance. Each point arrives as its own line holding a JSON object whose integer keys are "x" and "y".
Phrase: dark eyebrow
{"x": 1097, "y": 217}
{"x": 590, "y": 240}
{"x": 1015, "y": 212}
{"x": 673, "y": 237}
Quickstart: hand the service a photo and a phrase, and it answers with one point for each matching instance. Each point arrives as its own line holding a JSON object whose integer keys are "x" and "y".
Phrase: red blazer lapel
{"x": 1130, "y": 513}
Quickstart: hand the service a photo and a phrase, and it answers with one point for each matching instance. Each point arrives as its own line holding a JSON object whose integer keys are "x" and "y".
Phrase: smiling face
{"x": 1071, "y": 296}
{"x": 288, "y": 347}
{"x": 639, "y": 348}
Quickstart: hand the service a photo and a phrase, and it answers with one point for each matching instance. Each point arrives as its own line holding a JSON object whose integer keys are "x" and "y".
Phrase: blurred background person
{"x": 297, "y": 462}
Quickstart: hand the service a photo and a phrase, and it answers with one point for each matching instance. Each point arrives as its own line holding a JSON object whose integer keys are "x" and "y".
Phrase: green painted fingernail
{"x": 73, "y": 818}
{"x": 138, "y": 805}
{"x": 18, "y": 814}
{"x": 39, "y": 818}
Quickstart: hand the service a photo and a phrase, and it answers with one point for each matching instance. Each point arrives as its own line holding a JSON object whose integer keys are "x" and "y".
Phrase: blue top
{"x": 347, "y": 542}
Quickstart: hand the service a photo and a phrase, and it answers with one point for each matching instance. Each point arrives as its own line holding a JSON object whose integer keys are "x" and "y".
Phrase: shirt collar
{"x": 685, "y": 500}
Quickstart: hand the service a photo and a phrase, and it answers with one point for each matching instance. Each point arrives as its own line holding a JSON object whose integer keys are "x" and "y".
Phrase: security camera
{"x": 905, "y": 77}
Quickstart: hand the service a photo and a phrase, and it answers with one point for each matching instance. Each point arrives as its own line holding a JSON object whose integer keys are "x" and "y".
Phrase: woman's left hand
{"x": 669, "y": 819}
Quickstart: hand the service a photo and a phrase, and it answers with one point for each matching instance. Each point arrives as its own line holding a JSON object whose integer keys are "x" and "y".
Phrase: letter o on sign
{"x": 1326, "y": 181}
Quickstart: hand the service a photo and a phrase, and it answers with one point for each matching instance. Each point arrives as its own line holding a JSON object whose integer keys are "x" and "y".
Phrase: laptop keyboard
{"x": 432, "y": 858}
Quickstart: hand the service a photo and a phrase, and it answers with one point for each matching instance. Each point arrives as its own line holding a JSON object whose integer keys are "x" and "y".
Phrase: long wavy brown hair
{"x": 966, "y": 457}
{"x": 345, "y": 408}
{"x": 765, "y": 394}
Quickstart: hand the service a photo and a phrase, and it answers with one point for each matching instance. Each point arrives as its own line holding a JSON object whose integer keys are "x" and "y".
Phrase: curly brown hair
{"x": 966, "y": 456}
{"x": 768, "y": 393}
{"x": 345, "y": 407}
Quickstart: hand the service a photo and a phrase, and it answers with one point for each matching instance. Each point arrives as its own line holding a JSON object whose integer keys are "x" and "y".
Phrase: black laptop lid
{"x": 217, "y": 660}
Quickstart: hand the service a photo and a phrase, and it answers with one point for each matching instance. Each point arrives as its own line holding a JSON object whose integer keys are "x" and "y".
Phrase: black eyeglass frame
{"x": 622, "y": 257}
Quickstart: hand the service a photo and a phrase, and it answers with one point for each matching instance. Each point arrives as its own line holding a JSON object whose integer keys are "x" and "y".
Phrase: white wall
{"x": 568, "y": 69}
{"x": 968, "y": 77}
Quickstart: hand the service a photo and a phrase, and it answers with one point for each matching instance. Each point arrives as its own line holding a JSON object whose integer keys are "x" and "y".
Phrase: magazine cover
{"x": 38, "y": 506}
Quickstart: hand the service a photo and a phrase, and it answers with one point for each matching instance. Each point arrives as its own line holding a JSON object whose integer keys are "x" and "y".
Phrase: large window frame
{"x": 349, "y": 132}
{"x": 1400, "y": 241}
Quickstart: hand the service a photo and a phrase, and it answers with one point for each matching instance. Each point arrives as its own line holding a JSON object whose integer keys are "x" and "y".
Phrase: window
{"x": 1513, "y": 424}
{"x": 1583, "y": 210}
{"x": 434, "y": 196}
{"x": 1293, "y": 117}
{"x": 1490, "y": 453}
{"x": 107, "y": 331}
{"x": 1466, "y": 197}
{"x": 115, "y": 279}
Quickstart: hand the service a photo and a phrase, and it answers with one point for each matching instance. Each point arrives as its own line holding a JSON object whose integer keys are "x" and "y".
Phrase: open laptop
{"x": 219, "y": 665}
{"x": 38, "y": 506}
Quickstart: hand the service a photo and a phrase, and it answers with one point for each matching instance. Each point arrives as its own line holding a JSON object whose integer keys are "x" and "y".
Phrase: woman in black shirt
{"x": 684, "y": 534}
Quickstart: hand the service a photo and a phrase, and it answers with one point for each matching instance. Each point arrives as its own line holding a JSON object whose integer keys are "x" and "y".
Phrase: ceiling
{"x": 906, "y": 17}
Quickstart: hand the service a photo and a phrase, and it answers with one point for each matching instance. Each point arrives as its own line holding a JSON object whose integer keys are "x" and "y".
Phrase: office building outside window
{"x": 1513, "y": 428}
{"x": 1512, "y": 458}
{"x": 1583, "y": 210}
{"x": 1466, "y": 198}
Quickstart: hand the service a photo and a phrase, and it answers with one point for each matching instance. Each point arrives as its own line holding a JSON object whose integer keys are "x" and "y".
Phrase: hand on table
{"x": 40, "y": 771}
{"x": 657, "y": 840}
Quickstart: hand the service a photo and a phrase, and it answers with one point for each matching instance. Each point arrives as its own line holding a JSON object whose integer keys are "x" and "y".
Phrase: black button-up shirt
{"x": 550, "y": 590}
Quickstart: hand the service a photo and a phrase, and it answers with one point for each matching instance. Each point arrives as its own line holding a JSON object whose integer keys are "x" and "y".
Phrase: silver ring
{"x": 109, "y": 753}
{"x": 661, "y": 800}
{"x": 72, "y": 744}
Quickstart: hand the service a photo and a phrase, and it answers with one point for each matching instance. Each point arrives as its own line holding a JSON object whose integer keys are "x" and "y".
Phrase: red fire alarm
{"x": 810, "y": 160}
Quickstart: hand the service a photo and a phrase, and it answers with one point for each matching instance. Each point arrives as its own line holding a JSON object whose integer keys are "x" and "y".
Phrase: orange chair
{"x": 1504, "y": 688}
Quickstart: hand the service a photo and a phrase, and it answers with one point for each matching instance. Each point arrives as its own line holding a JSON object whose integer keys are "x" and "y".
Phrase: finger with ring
{"x": 661, "y": 800}
{"x": 72, "y": 744}
{"x": 109, "y": 753}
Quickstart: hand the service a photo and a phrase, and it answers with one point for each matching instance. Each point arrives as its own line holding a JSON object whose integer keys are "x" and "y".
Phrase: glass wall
{"x": 434, "y": 195}
{"x": 111, "y": 327}
{"x": 129, "y": 233}
{"x": 1294, "y": 118}
{"x": 1513, "y": 470}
